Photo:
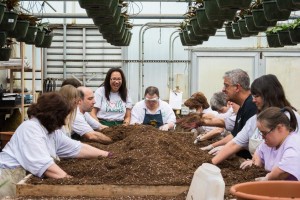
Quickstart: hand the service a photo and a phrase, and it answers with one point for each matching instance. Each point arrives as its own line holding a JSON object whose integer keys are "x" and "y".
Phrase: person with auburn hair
{"x": 39, "y": 142}
{"x": 279, "y": 154}
{"x": 113, "y": 102}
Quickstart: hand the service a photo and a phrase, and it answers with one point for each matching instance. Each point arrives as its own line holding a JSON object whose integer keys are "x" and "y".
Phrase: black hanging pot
{"x": 105, "y": 11}
{"x": 189, "y": 40}
{"x": 47, "y": 41}
{"x": 39, "y": 37}
{"x": 93, "y": 3}
{"x": 295, "y": 34}
{"x": 213, "y": 11}
{"x": 273, "y": 40}
{"x": 287, "y": 5}
{"x": 20, "y": 29}
{"x": 296, "y": 2}
{"x": 2, "y": 38}
{"x": 235, "y": 4}
{"x": 272, "y": 13}
{"x": 182, "y": 39}
{"x": 243, "y": 29}
{"x": 285, "y": 39}
{"x": 205, "y": 23}
{"x": 260, "y": 19}
{"x": 229, "y": 33}
{"x": 236, "y": 29}
{"x": 199, "y": 31}
{"x": 9, "y": 21}
{"x": 192, "y": 34}
{"x": 2, "y": 9}
{"x": 251, "y": 25}
{"x": 5, "y": 54}
{"x": 30, "y": 35}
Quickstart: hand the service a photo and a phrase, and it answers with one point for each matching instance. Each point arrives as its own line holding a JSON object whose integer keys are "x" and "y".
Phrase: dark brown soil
{"x": 147, "y": 156}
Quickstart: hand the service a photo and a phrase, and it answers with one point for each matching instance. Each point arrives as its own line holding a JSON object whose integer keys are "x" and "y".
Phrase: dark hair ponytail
{"x": 273, "y": 116}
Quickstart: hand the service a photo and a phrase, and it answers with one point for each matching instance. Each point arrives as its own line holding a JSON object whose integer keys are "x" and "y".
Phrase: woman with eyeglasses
{"x": 153, "y": 111}
{"x": 113, "y": 102}
{"x": 267, "y": 92}
{"x": 279, "y": 154}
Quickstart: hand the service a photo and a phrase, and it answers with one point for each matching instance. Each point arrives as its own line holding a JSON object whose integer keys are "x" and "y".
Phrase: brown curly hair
{"x": 197, "y": 100}
{"x": 51, "y": 110}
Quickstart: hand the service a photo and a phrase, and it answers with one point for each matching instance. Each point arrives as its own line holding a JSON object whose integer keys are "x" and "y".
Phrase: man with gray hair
{"x": 237, "y": 89}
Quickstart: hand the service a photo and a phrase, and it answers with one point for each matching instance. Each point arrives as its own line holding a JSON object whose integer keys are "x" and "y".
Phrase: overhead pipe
{"x": 142, "y": 31}
{"x": 84, "y": 15}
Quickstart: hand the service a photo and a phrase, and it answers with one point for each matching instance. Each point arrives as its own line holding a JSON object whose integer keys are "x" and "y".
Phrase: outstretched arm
{"x": 229, "y": 149}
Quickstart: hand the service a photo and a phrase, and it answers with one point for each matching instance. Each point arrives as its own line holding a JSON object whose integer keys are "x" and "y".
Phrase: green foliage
{"x": 296, "y": 24}
{"x": 273, "y": 30}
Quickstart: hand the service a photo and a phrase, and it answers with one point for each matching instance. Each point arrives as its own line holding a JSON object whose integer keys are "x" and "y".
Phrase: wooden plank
{"x": 102, "y": 190}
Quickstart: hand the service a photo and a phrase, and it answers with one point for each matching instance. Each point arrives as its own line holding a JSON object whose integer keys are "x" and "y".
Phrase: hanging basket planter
{"x": 2, "y": 38}
{"x": 235, "y": 4}
{"x": 213, "y": 11}
{"x": 285, "y": 39}
{"x": 273, "y": 40}
{"x": 112, "y": 27}
{"x": 229, "y": 33}
{"x": 296, "y": 2}
{"x": 47, "y": 41}
{"x": 30, "y": 35}
{"x": 5, "y": 54}
{"x": 205, "y": 23}
{"x": 295, "y": 35}
{"x": 9, "y": 21}
{"x": 251, "y": 25}
{"x": 183, "y": 42}
{"x": 20, "y": 29}
{"x": 287, "y": 5}
{"x": 260, "y": 19}
{"x": 39, "y": 37}
{"x": 188, "y": 39}
{"x": 199, "y": 31}
{"x": 236, "y": 30}
{"x": 102, "y": 11}
{"x": 243, "y": 29}
{"x": 94, "y": 3}
{"x": 192, "y": 35}
{"x": 2, "y": 9}
{"x": 272, "y": 13}
{"x": 109, "y": 19}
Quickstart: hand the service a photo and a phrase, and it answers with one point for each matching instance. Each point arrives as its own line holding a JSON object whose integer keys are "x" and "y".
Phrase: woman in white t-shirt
{"x": 113, "y": 103}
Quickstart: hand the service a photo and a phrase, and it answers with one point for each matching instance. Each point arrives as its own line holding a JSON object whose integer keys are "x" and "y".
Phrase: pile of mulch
{"x": 146, "y": 156}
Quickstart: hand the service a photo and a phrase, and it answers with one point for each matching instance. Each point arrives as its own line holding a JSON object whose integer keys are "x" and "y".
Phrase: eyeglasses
{"x": 116, "y": 79}
{"x": 264, "y": 134}
{"x": 152, "y": 100}
{"x": 227, "y": 85}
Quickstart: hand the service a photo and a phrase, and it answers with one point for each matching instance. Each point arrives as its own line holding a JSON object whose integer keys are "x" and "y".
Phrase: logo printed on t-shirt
{"x": 114, "y": 106}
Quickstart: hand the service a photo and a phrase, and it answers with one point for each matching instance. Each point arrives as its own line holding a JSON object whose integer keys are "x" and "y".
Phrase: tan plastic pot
{"x": 267, "y": 190}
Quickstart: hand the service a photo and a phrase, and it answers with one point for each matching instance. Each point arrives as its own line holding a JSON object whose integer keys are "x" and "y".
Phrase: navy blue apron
{"x": 155, "y": 120}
